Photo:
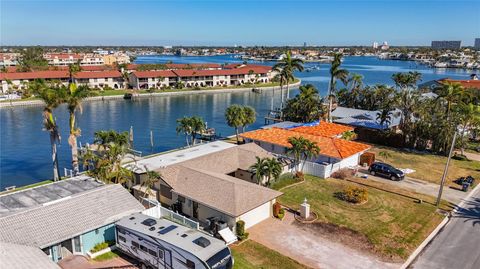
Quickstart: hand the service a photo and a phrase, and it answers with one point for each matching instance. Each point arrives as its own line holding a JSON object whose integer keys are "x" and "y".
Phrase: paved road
{"x": 421, "y": 186}
{"x": 458, "y": 244}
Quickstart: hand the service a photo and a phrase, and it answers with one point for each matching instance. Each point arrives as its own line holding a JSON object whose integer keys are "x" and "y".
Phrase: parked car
{"x": 386, "y": 170}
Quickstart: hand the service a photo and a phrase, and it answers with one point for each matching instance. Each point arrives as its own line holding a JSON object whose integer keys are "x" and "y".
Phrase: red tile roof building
{"x": 468, "y": 84}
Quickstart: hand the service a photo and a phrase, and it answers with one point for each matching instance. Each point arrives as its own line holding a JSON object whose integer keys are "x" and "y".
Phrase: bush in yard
{"x": 459, "y": 157}
{"x": 299, "y": 176}
{"x": 343, "y": 173}
{"x": 276, "y": 209}
{"x": 242, "y": 235}
{"x": 281, "y": 213}
{"x": 353, "y": 195}
{"x": 101, "y": 246}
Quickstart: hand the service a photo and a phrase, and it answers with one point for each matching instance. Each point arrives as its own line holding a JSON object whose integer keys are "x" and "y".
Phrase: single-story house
{"x": 335, "y": 153}
{"x": 15, "y": 256}
{"x": 65, "y": 217}
{"x": 360, "y": 118}
{"x": 211, "y": 180}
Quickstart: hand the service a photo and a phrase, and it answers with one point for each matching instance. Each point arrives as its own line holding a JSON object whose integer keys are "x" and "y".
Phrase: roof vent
{"x": 151, "y": 229}
{"x": 202, "y": 241}
{"x": 131, "y": 218}
{"x": 184, "y": 235}
{"x": 149, "y": 222}
{"x": 168, "y": 229}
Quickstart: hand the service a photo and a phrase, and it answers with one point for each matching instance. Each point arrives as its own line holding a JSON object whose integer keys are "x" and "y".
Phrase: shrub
{"x": 460, "y": 157}
{"x": 242, "y": 235}
{"x": 299, "y": 176}
{"x": 343, "y": 173}
{"x": 101, "y": 246}
{"x": 281, "y": 213}
{"x": 276, "y": 209}
{"x": 354, "y": 195}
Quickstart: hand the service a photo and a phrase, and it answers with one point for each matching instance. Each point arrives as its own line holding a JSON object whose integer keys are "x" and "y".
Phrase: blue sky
{"x": 227, "y": 22}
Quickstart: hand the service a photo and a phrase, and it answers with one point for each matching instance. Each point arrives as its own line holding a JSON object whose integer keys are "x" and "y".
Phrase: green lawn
{"x": 284, "y": 180}
{"x": 429, "y": 167}
{"x": 252, "y": 255}
{"x": 29, "y": 186}
{"x": 394, "y": 224}
{"x": 106, "y": 256}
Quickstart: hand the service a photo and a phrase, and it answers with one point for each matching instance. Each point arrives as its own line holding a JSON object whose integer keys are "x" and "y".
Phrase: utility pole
{"x": 445, "y": 171}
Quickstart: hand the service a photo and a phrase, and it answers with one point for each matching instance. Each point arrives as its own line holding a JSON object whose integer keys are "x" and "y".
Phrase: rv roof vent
{"x": 149, "y": 222}
{"x": 131, "y": 218}
{"x": 184, "y": 235}
{"x": 151, "y": 229}
{"x": 168, "y": 229}
{"x": 202, "y": 241}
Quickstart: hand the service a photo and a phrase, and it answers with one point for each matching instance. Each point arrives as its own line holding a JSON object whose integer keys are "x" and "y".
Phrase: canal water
{"x": 25, "y": 148}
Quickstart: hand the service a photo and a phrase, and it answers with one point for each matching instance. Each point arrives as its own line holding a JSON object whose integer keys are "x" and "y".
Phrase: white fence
{"x": 161, "y": 212}
{"x": 320, "y": 170}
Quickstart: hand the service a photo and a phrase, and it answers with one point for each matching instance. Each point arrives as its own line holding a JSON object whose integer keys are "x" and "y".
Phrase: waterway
{"x": 25, "y": 148}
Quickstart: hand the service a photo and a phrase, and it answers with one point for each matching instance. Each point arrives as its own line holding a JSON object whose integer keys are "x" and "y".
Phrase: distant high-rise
{"x": 375, "y": 45}
{"x": 444, "y": 44}
{"x": 477, "y": 43}
{"x": 304, "y": 44}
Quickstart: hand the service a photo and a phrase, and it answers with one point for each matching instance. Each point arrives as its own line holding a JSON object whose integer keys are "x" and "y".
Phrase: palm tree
{"x": 274, "y": 169}
{"x": 384, "y": 117}
{"x": 73, "y": 97}
{"x": 451, "y": 93}
{"x": 260, "y": 169}
{"x": 235, "y": 117}
{"x": 184, "y": 126}
{"x": 311, "y": 150}
{"x": 250, "y": 116}
{"x": 104, "y": 138}
{"x": 335, "y": 74}
{"x": 469, "y": 117}
{"x": 286, "y": 67}
{"x": 52, "y": 99}
{"x": 298, "y": 149}
{"x": 149, "y": 182}
{"x": 305, "y": 107}
{"x": 197, "y": 126}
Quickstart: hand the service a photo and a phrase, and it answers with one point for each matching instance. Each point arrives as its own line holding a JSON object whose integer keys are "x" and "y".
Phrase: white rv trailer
{"x": 160, "y": 243}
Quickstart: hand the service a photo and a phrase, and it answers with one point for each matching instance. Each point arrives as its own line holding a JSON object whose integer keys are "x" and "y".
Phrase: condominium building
{"x": 65, "y": 59}
{"x": 445, "y": 44}
{"x": 477, "y": 43}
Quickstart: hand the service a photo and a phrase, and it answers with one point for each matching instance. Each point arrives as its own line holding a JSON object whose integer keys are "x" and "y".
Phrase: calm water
{"x": 25, "y": 148}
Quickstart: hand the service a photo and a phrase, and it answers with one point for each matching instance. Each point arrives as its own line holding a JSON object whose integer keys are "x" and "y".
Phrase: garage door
{"x": 256, "y": 215}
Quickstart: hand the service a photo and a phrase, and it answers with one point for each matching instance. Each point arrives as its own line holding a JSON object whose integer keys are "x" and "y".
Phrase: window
{"x": 153, "y": 253}
{"x": 160, "y": 254}
{"x": 181, "y": 199}
{"x": 143, "y": 248}
{"x": 121, "y": 238}
{"x": 121, "y": 231}
{"x": 135, "y": 244}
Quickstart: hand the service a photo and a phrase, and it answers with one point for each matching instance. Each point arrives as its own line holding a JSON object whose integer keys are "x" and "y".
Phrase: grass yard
{"x": 252, "y": 255}
{"x": 106, "y": 256}
{"x": 394, "y": 224}
{"x": 429, "y": 167}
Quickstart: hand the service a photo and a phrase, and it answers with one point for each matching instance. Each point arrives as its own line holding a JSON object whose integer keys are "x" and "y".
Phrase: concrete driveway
{"x": 310, "y": 249}
{"x": 82, "y": 262}
{"x": 451, "y": 195}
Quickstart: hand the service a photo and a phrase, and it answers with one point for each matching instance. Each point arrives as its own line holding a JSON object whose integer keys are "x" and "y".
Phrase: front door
{"x": 195, "y": 210}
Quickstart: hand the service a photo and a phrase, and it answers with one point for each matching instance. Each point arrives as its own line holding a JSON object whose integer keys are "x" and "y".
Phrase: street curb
{"x": 442, "y": 224}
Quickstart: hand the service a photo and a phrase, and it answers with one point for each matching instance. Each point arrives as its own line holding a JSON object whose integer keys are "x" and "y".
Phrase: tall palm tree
{"x": 184, "y": 126}
{"x": 235, "y": 117}
{"x": 52, "y": 99}
{"x": 311, "y": 149}
{"x": 197, "y": 126}
{"x": 73, "y": 97}
{"x": 274, "y": 169}
{"x": 469, "y": 117}
{"x": 336, "y": 73}
{"x": 149, "y": 182}
{"x": 451, "y": 93}
{"x": 260, "y": 169}
{"x": 287, "y": 66}
{"x": 104, "y": 138}
{"x": 296, "y": 150}
{"x": 249, "y": 116}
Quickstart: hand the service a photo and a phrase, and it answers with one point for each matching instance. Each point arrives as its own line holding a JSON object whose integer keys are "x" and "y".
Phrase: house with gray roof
{"x": 216, "y": 184}
{"x": 65, "y": 217}
{"x": 15, "y": 256}
{"x": 360, "y": 118}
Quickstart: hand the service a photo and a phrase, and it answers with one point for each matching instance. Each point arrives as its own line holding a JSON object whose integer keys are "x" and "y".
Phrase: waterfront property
{"x": 94, "y": 79}
{"x": 65, "y": 217}
{"x": 210, "y": 181}
{"x": 190, "y": 78}
{"x": 335, "y": 153}
{"x": 473, "y": 83}
{"x": 367, "y": 119}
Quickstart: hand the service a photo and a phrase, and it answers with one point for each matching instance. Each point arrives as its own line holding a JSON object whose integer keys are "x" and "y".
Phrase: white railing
{"x": 161, "y": 212}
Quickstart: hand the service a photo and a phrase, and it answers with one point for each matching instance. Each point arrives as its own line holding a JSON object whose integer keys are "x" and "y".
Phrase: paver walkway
{"x": 451, "y": 195}
{"x": 82, "y": 262}
{"x": 311, "y": 250}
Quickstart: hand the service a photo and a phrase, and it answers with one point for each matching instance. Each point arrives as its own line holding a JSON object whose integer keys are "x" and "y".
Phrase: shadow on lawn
{"x": 447, "y": 204}
{"x": 470, "y": 212}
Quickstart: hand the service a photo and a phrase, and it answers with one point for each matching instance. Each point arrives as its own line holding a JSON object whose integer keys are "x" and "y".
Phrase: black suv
{"x": 386, "y": 170}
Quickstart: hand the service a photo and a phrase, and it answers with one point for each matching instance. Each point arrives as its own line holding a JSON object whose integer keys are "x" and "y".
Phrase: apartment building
{"x": 65, "y": 59}
{"x": 445, "y": 44}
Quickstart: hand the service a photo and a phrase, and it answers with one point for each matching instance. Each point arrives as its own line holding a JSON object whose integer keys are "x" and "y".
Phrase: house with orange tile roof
{"x": 335, "y": 153}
